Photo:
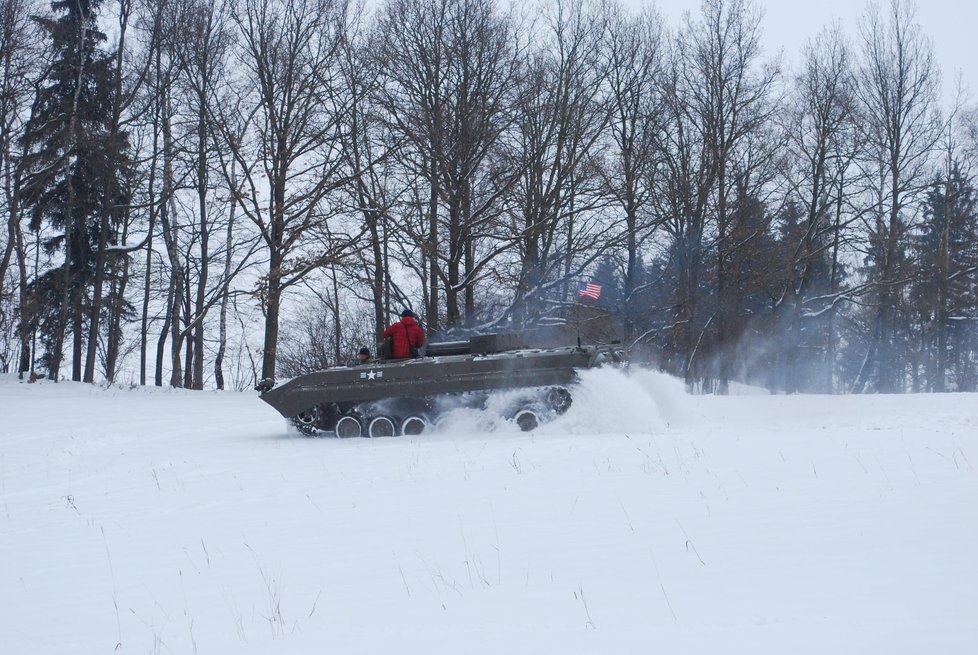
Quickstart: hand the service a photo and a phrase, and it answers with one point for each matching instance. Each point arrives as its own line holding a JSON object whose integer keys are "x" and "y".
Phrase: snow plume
{"x": 606, "y": 401}
{"x": 457, "y": 417}
{"x": 609, "y": 400}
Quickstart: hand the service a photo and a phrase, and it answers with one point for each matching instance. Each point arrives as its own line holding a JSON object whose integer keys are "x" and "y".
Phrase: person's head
{"x": 364, "y": 354}
{"x": 407, "y": 313}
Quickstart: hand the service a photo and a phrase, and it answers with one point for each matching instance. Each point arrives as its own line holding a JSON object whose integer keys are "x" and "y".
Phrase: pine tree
{"x": 944, "y": 294}
{"x": 803, "y": 306}
{"x": 73, "y": 163}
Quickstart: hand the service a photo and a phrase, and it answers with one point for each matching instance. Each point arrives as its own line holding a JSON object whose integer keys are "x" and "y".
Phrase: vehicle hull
{"x": 318, "y": 400}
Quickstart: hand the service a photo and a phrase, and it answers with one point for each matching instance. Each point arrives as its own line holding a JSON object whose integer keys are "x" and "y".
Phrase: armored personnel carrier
{"x": 404, "y": 397}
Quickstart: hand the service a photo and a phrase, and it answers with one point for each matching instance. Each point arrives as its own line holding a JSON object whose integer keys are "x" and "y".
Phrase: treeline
{"x": 204, "y": 193}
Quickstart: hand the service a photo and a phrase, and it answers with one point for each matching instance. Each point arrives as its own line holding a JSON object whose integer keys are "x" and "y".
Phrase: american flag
{"x": 589, "y": 290}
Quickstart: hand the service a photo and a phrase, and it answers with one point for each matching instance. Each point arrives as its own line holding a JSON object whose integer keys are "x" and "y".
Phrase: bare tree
{"x": 718, "y": 98}
{"x": 18, "y": 66}
{"x": 235, "y": 192}
{"x": 682, "y": 199}
{"x": 897, "y": 87}
{"x": 374, "y": 183}
{"x": 291, "y": 161}
{"x": 731, "y": 99}
{"x": 557, "y": 144}
{"x": 483, "y": 72}
{"x": 449, "y": 74}
{"x": 636, "y": 53}
{"x": 821, "y": 133}
{"x": 202, "y": 46}
{"x": 159, "y": 79}
{"x": 169, "y": 230}
{"x": 412, "y": 44}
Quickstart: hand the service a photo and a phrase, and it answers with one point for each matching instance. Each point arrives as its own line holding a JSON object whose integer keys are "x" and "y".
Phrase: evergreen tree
{"x": 73, "y": 162}
{"x": 803, "y": 257}
{"x": 945, "y": 293}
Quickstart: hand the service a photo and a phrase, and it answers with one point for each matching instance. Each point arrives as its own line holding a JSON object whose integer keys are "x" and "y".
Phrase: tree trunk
{"x": 432, "y": 247}
{"x": 724, "y": 347}
{"x": 176, "y": 334}
{"x": 833, "y": 287}
{"x": 95, "y": 311}
{"x": 153, "y": 210}
{"x": 170, "y": 235}
{"x": 204, "y": 228}
{"x": 27, "y": 314}
{"x": 377, "y": 283}
{"x": 77, "y": 336}
{"x": 223, "y": 325}
{"x": 337, "y": 322}
{"x": 164, "y": 331}
{"x": 118, "y": 300}
{"x": 943, "y": 270}
{"x": 185, "y": 331}
{"x": 688, "y": 301}
{"x": 274, "y": 298}
{"x": 453, "y": 315}
{"x": 147, "y": 282}
{"x": 275, "y": 260}
{"x": 631, "y": 246}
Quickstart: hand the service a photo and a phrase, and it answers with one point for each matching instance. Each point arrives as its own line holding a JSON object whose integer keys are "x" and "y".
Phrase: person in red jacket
{"x": 406, "y": 336}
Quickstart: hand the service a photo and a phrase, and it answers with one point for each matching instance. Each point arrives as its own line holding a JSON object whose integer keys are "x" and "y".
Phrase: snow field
{"x": 643, "y": 520}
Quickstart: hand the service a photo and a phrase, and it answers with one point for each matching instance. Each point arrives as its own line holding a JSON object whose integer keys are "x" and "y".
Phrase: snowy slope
{"x": 644, "y": 520}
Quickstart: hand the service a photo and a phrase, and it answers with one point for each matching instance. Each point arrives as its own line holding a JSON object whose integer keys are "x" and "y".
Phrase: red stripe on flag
{"x": 589, "y": 290}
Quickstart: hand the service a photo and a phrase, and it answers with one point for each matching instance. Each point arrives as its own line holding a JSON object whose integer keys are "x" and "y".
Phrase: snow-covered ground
{"x": 644, "y": 520}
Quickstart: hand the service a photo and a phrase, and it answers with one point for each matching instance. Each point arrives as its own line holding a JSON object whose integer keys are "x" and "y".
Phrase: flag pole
{"x": 577, "y": 313}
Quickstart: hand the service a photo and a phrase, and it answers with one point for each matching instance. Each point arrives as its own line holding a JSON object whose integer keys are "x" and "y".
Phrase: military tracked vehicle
{"x": 404, "y": 397}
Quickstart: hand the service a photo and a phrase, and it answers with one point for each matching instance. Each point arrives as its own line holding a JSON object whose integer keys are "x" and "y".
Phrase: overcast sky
{"x": 788, "y": 24}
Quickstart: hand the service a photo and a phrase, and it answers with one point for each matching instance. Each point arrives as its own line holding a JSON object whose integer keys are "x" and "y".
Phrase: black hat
{"x": 407, "y": 312}
{"x": 364, "y": 351}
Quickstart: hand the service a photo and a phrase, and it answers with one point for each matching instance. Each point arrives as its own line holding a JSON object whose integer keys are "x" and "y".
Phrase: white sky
{"x": 788, "y": 24}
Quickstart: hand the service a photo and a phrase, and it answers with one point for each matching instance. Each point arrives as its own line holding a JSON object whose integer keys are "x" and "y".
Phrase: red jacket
{"x": 404, "y": 334}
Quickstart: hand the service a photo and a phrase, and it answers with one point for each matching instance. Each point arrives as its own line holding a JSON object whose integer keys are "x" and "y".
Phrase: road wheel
{"x": 559, "y": 399}
{"x": 527, "y": 420}
{"x": 413, "y": 425}
{"x": 382, "y": 426}
{"x": 348, "y": 426}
